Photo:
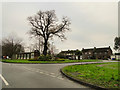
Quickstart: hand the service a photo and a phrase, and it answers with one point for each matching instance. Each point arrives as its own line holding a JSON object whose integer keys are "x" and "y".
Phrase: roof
{"x": 97, "y": 49}
{"x": 117, "y": 53}
{"x": 69, "y": 51}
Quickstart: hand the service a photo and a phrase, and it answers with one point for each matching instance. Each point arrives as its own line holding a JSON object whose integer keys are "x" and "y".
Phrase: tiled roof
{"x": 97, "y": 49}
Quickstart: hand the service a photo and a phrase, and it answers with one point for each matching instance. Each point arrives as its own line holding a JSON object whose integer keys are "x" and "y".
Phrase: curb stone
{"x": 53, "y": 63}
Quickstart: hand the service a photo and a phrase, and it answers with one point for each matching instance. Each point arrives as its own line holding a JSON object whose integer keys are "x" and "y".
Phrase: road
{"x": 36, "y": 76}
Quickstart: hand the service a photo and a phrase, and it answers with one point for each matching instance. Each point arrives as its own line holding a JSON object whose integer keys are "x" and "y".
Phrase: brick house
{"x": 115, "y": 56}
{"x": 70, "y": 54}
{"x": 97, "y": 53}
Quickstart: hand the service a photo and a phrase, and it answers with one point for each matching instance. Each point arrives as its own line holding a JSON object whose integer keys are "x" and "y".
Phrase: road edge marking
{"x": 6, "y": 83}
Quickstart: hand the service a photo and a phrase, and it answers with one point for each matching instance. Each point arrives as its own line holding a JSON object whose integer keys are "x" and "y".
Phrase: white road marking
{"x": 46, "y": 74}
{"x": 52, "y": 73}
{"x": 40, "y": 72}
{"x": 6, "y": 83}
{"x": 43, "y": 72}
{"x": 60, "y": 78}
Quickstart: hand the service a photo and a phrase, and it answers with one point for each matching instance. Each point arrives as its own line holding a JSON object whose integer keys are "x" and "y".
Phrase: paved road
{"x": 36, "y": 76}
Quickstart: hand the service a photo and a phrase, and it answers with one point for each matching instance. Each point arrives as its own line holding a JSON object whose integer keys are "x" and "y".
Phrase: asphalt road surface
{"x": 36, "y": 76}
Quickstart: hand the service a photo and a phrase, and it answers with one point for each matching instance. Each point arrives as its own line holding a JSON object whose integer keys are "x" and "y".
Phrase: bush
{"x": 45, "y": 58}
{"x": 61, "y": 56}
{"x": 55, "y": 58}
{"x": 33, "y": 59}
{"x": 61, "y": 59}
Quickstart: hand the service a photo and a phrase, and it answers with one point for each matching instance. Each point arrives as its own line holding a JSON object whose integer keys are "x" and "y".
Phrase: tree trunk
{"x": 45, "y": 47}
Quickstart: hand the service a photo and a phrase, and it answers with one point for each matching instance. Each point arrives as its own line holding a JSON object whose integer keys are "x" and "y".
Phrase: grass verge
{"x": 103, "y": 75}
{"x": 65, "y": 61}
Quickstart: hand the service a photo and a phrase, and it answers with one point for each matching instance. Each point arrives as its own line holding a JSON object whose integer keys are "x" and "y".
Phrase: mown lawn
{"x": 59, "y": 61}
{"x": 104, "y": 75}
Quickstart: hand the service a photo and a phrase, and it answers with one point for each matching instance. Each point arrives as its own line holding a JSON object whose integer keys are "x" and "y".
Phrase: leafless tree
{"x": 53, "y": 50}
{"x": 46, "y": 25}
{"x": 38, "y": 44}
{"x": 11, "y": 45}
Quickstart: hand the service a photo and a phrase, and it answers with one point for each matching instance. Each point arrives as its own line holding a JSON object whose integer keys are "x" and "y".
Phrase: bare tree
{"x": 11, "y": 45}
{"x": 53, "y": 50}
{"x": 46, "y": 25}
{"x": 37, "y": 43}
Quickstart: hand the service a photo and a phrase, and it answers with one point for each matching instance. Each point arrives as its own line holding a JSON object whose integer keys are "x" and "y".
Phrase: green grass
{"x": 60, "y": 61}
{"x": 104, "y": 74}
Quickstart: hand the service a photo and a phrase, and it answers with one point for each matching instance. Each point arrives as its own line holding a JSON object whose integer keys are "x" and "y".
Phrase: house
{"x": 97, "y": 53}
{"x": 115, "y": 56}
{"x": 70, "y": 54}
{"x": 28, "y": 55}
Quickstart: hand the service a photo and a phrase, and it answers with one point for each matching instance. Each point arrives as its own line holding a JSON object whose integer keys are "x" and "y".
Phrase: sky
{"x": 93, "y": 24}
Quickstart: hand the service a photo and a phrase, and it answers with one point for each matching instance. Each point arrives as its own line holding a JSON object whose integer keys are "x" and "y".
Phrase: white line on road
{"x": 46, "y": 74}
{"x": 6, "y": 83}
{"x": 40, "y": 72}
{"x": 52, "y": 73}
{"x": 60, "y": 78}
{"x": 43, "y": 72}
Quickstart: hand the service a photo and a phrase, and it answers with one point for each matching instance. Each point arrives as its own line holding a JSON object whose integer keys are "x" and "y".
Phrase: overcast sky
{"x": 93, "y": 24}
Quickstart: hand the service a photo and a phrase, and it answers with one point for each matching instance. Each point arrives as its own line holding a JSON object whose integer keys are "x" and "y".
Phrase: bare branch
{"x": 45, "y": 24}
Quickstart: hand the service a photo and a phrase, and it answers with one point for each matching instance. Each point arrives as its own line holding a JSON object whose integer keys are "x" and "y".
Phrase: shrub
{"x": 61, "y": 59}
{"x": 33, "y": 59}
{"x": 54, "y": 58}
{"x": 61, "y": 56}
{"x": 45, "y": 58}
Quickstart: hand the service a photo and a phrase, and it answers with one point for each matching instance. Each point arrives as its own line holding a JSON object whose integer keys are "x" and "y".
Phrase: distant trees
{"x": 11, "y": 46}
{"x": 117, "y": 43}
{"x": 52, "y": 49}
{"x": 37, "y": 44}
{"x": 46, "y": 25}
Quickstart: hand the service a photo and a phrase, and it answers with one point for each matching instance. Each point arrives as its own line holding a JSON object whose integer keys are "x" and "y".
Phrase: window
{"x": 105, "y": 52}
{"x": 89, "y": 52}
